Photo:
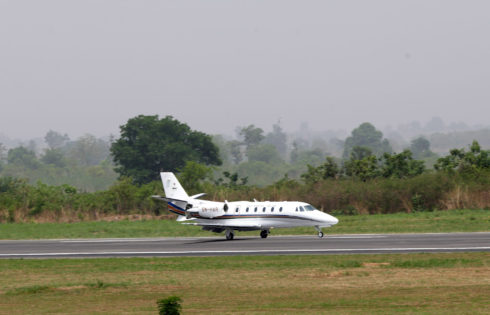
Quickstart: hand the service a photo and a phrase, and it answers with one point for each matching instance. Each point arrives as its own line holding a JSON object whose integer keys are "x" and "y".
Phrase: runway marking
{"x": 356, "y": 236}
{"x": 122, "y": 240}
{"x": 190, "y": 239}
{"x": 246, "y": 251}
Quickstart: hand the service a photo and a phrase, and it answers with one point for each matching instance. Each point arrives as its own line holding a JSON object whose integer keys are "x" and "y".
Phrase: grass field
{"x": 438, "y": 221}
{"x": 457, "y": 283}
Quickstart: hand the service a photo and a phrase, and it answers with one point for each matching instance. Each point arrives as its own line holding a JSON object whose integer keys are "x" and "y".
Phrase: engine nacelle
{"x": 210, "y": 211}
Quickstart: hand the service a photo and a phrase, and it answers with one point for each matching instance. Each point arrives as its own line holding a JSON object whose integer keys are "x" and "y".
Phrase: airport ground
{"x": 441, "y": 283}
{"x": 427, "y": 283}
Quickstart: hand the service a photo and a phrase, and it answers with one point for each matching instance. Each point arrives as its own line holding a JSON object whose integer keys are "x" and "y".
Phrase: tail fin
{"x": 172, "y": 187}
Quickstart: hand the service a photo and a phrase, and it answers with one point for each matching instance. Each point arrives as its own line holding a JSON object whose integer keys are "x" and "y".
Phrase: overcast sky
{"x": 87, "y": 66}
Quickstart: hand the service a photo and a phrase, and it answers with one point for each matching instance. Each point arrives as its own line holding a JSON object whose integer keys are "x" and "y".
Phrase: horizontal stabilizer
{"x": 173, "y": 200}
{"x": 198, "y": 196}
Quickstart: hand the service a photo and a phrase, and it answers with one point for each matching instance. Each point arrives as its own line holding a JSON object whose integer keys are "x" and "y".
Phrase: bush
{"x": 169, "y": 306}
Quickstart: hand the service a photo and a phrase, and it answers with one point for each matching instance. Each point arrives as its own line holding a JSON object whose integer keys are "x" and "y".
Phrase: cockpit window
{"x": 309, "y": 208}
{"x": 301, "y": 208}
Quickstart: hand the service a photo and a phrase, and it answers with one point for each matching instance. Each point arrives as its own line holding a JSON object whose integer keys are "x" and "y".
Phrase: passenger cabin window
{"x": 280, "y": 209}
{"x": 296, "y": 209}
{"x": 246, "y": 209}
{"x": 237, "y": 208}
{"x": 263, "y": 210}
{"x": 255, "y": 209}
{"x": 272, "y": 209}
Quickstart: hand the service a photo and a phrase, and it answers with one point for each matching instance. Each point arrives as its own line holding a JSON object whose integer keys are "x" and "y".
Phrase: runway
{"x": 246, "y": 245}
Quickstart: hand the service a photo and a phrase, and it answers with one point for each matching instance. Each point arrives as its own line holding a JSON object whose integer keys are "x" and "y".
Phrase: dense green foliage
{"x": 20, "y": 201}
{"x": 366, "y": 135}
{"x": 149, "y": 145}
{"x": 83, "y": 163}
{"x": 79, "y": 181}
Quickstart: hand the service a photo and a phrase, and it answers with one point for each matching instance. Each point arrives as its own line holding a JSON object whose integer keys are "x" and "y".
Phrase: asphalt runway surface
{"x": 247, "y": 245}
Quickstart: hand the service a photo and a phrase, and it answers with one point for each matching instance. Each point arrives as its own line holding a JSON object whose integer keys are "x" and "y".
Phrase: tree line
{"x": 84, "y": 163}
{"x": 371, "y": 178}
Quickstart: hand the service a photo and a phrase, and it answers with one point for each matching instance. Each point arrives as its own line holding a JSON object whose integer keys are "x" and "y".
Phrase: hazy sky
{"x": 88, "y": 66}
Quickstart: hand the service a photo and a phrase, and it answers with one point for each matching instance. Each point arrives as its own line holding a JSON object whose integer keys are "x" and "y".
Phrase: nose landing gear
{"x": 320, "y": 233}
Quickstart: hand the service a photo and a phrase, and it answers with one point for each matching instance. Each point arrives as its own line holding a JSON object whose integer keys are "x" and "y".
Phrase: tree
{"x": 169, "y": 306}
{"x": 366, "y": 135}
{"x": 465, "y": 162}
{"x": 401, "y": 165}
{"x": 329, "y": 169}
{"x": 2, "y": 155}
{"x": 362, "y": 164}
{"x": 278, "y": 139}
{"x": 55, "y": 140}
{"x": 3, "y": 149}
{"x": 54, "y": 157}
{"x": 420, "y": 147}
{"x": 232, "y": 180}
{"x": 235, "y": 147}
{"x": 23, "y": 157}
{"x": 192, "y": 174}
{"x": 251, "y": 135}
{"x": 148, "y": 145}
{"x": 359, "y": 153}
{"x": 364, "y": 169}
{"x": 265, "y": 153}
{"x": 88, "y": 150}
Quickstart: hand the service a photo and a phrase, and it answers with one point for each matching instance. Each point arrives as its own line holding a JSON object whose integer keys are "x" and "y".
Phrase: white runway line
{"x": 247, "y": 251}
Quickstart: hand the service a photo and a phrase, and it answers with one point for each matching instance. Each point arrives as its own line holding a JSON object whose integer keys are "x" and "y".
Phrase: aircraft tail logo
{"x": 173, "y": 189}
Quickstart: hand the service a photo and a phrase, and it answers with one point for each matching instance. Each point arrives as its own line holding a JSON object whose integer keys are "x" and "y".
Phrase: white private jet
{"x": 240, "y": 215}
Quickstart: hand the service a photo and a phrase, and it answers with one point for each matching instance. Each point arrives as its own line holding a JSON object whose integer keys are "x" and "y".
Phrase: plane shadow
{"x": 217, "y": 240}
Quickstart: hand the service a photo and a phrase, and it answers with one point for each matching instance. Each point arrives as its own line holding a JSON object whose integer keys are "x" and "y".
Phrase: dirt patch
{"x": 373, "y": 264}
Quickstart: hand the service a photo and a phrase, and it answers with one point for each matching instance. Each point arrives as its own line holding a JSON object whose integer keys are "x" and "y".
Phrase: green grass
{"x": 422, "y": 222}
{"x": 442, "y": 283}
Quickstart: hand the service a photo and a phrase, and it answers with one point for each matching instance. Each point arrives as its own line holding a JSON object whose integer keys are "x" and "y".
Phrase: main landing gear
{"x": 264, "y": 233}
{"x": 230, "y": 235}
{"x": 320, "y": 233}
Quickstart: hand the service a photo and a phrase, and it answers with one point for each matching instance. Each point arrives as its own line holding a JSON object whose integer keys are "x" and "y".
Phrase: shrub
{"x": 169, "y": 306}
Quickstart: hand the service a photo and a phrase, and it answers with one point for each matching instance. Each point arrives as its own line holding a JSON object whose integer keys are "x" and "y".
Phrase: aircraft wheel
{"x": 320, "y": 234}
{"x": 264, "y": 233}
{"x": 229, "y": 235}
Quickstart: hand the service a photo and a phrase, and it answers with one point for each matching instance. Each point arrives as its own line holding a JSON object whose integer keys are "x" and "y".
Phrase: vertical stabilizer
{"x": 173, "y": 189}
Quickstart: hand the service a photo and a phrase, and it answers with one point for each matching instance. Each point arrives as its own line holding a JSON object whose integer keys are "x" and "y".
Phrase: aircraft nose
{"x": 332, "y": 220}
{"x": 329, "y": 219}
